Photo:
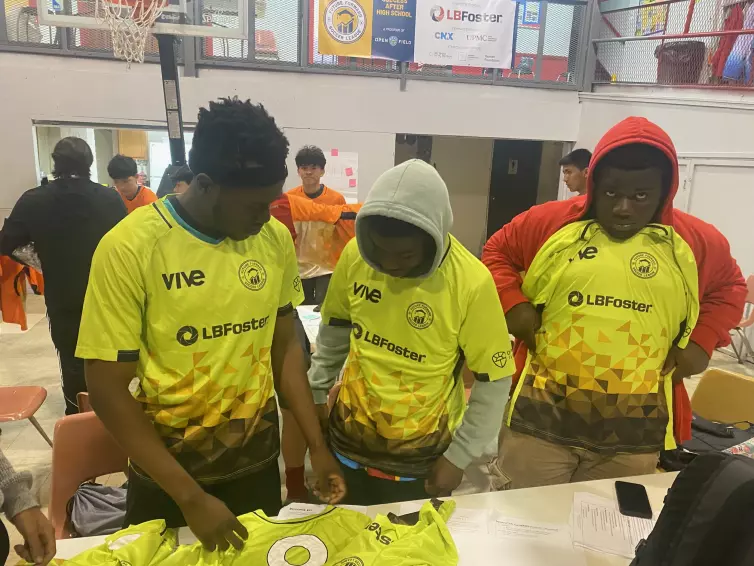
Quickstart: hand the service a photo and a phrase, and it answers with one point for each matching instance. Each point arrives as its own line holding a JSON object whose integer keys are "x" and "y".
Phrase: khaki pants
{"x": 528, "y": 461}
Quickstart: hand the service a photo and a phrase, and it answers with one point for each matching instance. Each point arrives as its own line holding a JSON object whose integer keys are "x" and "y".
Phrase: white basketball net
{"x": 129, "y": 25}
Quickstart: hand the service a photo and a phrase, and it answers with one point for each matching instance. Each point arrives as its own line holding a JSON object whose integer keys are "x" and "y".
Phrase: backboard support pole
{"x": 172, "y": 93}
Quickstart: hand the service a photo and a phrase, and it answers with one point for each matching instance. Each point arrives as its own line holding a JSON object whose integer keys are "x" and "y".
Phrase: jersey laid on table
{"x": 147, "y": 544}
{"x": 198, "y": 315}
{"x": 402, "y": 395}
{"x": 310, "y": 541}
{"x": 384, "y": 543}
{"x": 595, "y": 379}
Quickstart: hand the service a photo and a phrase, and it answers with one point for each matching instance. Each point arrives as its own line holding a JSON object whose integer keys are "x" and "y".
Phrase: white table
{"x": 547, "y": 504}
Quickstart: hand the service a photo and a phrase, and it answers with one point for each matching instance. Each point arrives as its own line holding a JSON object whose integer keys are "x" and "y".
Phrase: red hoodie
{"x": 722, "y": 289}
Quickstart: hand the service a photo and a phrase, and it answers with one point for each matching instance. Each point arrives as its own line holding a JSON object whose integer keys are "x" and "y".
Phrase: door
{"x": 513, "y": 182}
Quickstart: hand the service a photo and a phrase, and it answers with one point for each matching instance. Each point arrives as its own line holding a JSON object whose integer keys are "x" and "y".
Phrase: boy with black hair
{"x": 408, "y": 305}
{"x": 64, "y": 219}
{"x": 195, "y": 295}
{"x": 310, "y": 162}
{"x": 622, "y": 297}
{"x": 124, "y": 173}
{"x": 576, "y": 169}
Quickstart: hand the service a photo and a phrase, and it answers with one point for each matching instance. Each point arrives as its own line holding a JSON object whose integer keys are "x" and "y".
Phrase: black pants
{"x": 315, "y": 289}
{"x": 4, "y": 543}
{"x": 64, "y": 330}
{"x": 145, "y": 500}
{"x": 364, "y": 489}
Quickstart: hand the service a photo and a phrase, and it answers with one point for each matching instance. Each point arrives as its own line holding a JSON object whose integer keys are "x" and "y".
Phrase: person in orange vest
{"x": 65, "y": 220}
{"x": 124, "y": 173}
{"x": 326, "y": 229}
{"x": 311, "y": 162}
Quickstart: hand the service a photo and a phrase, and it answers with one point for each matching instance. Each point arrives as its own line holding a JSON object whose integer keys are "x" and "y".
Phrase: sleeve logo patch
{"x": 500, "y": 359}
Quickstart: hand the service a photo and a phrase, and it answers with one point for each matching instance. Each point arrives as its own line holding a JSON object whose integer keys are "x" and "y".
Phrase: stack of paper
{"x": 597, "y": 524}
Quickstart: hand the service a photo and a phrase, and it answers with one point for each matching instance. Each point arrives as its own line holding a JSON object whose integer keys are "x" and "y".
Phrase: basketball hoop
{"x": 130, "y": 22}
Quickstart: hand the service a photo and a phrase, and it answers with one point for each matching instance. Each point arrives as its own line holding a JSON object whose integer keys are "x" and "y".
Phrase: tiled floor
{"x": 28, "y": 358}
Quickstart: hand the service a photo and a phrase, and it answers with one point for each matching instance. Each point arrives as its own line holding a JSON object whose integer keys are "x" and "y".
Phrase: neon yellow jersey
{"x": 612, "y": 311}
{"x": 428, "y": 543}
{"x": 147, "y": 544}
{"x": 310, "y": 541}
{"x": 402, "y": 395}
{"x": 199, "y": 316}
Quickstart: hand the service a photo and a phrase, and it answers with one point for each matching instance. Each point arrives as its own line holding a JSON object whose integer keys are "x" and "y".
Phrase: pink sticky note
{"x": 349, "y": 171}
{"x": 352, "y": 183}
{"x": 334, "y": 153}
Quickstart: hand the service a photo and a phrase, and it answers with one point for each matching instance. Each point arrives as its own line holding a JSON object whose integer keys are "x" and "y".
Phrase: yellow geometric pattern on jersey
{"x": 310, "y": 541}
{"x": 199, "y": 315}
{"x": 612, "y": 311}
{"x": 383, "y": 543}
{"x": 402, "y": 396}
{"x": 147, "y": 544}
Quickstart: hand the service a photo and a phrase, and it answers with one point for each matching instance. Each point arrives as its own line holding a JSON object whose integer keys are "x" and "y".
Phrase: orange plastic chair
{"x": 745, "y": 349}
{"x": 83, "y": 450}
{"x": 18, "y": 403}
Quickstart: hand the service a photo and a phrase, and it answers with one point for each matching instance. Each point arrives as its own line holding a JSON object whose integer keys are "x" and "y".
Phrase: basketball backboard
{"x": 203, "y": 18}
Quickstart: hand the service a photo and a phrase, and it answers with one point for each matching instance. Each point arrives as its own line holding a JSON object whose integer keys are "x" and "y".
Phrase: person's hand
{"x": 331, "y": 487}
{"x": 523, "y": 321}
{"x": 444, "y": 479}
{"x": 688, "y": 361}
{"x": 39, "y": 536}
{"x": 323, "y": 414}
{"x": 213, "y": 523}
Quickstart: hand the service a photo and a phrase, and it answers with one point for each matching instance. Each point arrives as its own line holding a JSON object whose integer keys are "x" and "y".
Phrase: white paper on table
{"x": 523, "y": 543}
{"x": 299, "y": 510}
{"x": 598, "y": 524}
{"x": 461, "y": 521}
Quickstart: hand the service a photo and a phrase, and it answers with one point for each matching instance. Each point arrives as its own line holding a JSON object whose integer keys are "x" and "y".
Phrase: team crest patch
{"x": 352, "y": 561}
{"x": 345, "y": 20}
{"x": 644, "y": 265}
{"x": 420, "y": 315}
{"x": 252, "y": 274}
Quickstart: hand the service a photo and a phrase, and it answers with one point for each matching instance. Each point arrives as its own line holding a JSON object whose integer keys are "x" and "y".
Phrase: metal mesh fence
{"x": 276, "y": 32}
{"x": 668, "y": 52}
{"x": 23, "y": 26}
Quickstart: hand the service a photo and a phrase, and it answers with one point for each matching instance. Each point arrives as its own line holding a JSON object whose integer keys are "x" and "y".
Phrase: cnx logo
{"x": 371, "y": 295}
{"x": 444, "y": 35}
{"x": 194, "y": 278}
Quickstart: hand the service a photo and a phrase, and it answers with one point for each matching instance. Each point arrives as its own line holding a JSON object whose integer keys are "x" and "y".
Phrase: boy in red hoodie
{"x": 610, "y": 296}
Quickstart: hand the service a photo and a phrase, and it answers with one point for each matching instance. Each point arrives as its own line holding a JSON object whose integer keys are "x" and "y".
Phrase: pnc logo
{"x": 371, "y": 295}
{"x": 194, "y": 278}
{"x": 444, "y": 35}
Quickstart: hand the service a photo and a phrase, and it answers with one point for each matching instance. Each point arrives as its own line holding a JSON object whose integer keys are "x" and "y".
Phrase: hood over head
{"x": 635, "y": 130}
{"x": 412, "y": 192}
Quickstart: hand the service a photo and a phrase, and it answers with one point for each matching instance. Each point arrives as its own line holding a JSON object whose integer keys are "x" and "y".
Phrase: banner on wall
{"x": 473, "y": 33}
{"x": 381, "y": 29}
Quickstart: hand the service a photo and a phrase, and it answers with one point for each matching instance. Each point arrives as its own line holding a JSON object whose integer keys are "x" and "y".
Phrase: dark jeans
{"x": 364, "y": 489}
{"x": 4, "y": 543}
{"x": 315, "y": 289}
{"x": 146, "y": 501}
{"x": 64, "y": 330}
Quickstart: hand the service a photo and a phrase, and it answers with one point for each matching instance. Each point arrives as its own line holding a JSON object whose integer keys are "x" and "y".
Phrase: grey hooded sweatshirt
{"x": 404, "y": 341}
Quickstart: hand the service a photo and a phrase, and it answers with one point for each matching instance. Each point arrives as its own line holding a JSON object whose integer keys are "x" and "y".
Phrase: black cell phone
{"x": 633, "y": 500}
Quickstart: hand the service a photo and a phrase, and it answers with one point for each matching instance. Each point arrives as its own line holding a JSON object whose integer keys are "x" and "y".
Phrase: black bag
{"x": 708, "y": 516}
